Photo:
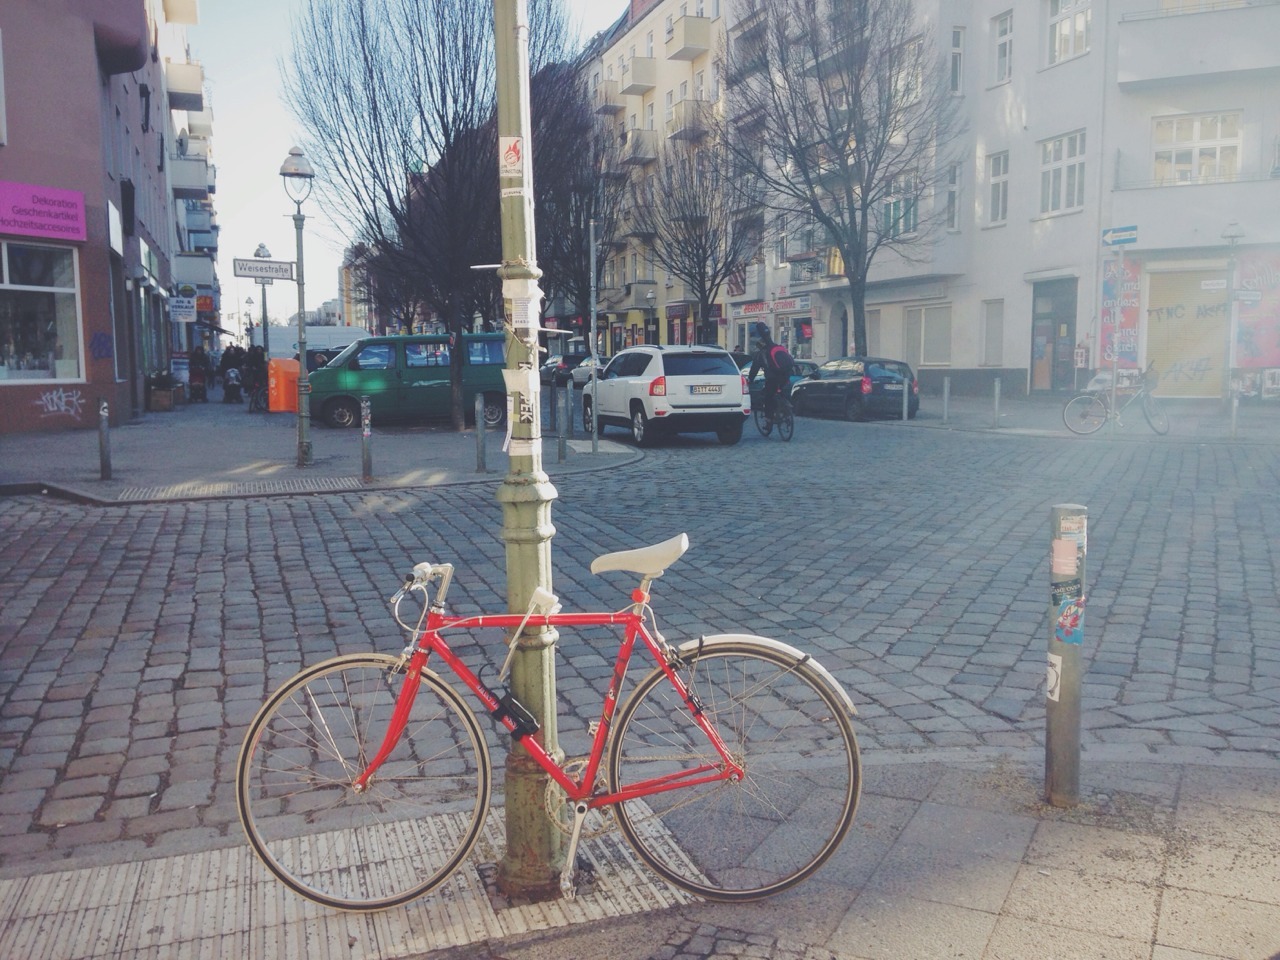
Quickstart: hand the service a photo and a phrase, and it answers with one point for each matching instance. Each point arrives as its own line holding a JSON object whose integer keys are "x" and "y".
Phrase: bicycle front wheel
{"x": 411, "y": 826}
{"x": 763, "y": 423}
{"x": 786, "y": 421}
{"x": 1084, "y": 414}
{"x": 1155, "y": 414}
{"x": 790, "y": 731}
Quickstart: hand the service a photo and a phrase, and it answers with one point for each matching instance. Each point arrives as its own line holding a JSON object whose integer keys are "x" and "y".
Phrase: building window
{"x": 1062, "y": 173}
{"x": 992, "y": 333}
{"x": 648, "y": 44}
{"x": 953, "y": 196}
{"x": 1069, "y": 28}
{"x": 1002, "y": 30}
{"x": 998, "y": 168}
{"x": 957, "y": 60}
{"x": 1197, "y": 149}
{"x": 926, "y": 335}
{"x": 39, "y": 313}
{"x": 900, "y": 214}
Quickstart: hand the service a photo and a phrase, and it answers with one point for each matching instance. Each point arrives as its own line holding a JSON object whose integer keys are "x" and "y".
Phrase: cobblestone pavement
{"x": 138, "y": 640}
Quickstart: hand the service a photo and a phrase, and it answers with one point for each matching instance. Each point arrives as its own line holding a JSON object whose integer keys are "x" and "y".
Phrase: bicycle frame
{"x": 431, "y": 642}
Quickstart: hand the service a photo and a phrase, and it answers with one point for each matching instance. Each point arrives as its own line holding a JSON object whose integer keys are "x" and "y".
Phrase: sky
{"x": 242, "y": 45}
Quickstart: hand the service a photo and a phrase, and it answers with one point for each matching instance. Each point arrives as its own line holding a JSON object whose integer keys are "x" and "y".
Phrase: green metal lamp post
{"x": 298, "y": 175}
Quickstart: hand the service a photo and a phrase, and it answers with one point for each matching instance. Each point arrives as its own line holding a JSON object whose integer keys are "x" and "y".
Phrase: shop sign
{"x": 182, "y": 309}
{"x": 762, "y": 308}
{"x": 29, "y": 210}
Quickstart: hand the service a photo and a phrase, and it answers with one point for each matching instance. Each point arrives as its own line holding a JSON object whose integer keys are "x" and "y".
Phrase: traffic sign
{"x": 1115, "y": 236}
{"x": 270, "y": 269}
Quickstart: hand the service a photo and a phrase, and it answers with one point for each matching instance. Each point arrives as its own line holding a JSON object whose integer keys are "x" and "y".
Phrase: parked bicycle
{"x": 258, "y": 399}
{"x": 1088, "y": 411}
{"x": 731, "y": 768}
{"x": 782, "y": 416}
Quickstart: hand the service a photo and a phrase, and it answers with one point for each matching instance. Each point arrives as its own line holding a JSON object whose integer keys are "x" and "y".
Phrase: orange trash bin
{"x": 282, "y": 385}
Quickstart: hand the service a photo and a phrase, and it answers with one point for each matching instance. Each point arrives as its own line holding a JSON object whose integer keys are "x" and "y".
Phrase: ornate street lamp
{"x": 262, "y": 253}
{"x": 298, "y": 174}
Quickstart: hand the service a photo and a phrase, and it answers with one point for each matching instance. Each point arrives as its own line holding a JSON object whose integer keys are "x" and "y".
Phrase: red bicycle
{"x": 731, "y": 768}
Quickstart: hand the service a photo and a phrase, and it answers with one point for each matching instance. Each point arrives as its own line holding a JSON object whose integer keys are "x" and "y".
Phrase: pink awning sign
{"x": 30, "y": 210}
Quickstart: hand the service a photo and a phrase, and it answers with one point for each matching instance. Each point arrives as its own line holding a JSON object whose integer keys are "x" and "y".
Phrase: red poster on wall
{"x": 1258, "y": 310}
{"x": 1121, "y": 285}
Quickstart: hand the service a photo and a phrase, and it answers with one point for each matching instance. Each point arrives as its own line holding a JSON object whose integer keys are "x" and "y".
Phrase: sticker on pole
{"x": 511, "y": 157}
{"x": 1070, "y": 626}
{"x": 1053, "y": 680}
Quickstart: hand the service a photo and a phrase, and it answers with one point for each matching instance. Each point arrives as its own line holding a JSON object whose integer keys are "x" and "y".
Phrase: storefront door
{"x": 1053, "y": 335}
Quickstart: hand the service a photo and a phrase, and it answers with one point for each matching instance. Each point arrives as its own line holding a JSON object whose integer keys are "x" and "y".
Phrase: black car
{"x": 856, "y": 388}
{"x": 564, "y": 369}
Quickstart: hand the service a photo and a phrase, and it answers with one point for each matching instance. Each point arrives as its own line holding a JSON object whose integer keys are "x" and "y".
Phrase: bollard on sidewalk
{"x": 104, "y": 441}
{"x": 1069, "y": 526}
{"x": 996, "y": 422}
{"x": 480, "y": 464}
{"x": 946, "y": 399}
{"x": 366, "y": 443}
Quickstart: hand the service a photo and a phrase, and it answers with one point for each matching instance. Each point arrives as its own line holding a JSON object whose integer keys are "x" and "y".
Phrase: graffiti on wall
{"x": 61, "y": 402}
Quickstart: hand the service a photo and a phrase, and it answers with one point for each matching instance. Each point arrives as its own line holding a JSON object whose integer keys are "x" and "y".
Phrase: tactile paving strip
{"x": 223, "y": 903}
{"x": 185, "y": 491}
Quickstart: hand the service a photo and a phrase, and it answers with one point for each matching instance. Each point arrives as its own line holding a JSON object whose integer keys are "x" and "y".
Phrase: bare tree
{"x": 702, "y": 224}
{"x": 575, "y": 160}
{"x": 840, "y": 109}
{"x": 398, "y": 101}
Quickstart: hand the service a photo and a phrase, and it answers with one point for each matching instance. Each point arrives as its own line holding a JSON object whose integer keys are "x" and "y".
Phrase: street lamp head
{"x": 298, "y": 174}
{"x": 650, "y": 296}
{"x": 248, "y": 301}
{"x": 262, "y": 252}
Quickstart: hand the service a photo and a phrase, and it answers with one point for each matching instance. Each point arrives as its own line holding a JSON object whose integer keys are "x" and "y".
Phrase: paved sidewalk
{"x": 204, "y": 450}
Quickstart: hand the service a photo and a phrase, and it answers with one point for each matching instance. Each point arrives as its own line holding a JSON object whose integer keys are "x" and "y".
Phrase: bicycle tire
{"x": 407, "y": 831}
{"x": 1156, "y": 417}
{"x": 786, "y": 421}
{"x": 738, "y": 841}
{"x": 763, "y": 423}
{"x": 1084, "y": 414}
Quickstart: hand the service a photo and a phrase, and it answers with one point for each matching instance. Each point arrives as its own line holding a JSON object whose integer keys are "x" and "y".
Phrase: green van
{"x": 407, "y": 378}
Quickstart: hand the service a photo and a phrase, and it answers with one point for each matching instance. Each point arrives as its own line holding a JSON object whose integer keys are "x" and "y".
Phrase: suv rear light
{"x": 866, "y": 385}
{"x": 915, "y": 386}
{"x": 746, "y": 387}
{"x": 658, "y": 388}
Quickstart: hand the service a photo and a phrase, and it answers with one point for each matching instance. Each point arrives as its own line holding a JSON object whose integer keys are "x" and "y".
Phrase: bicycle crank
{"x": 560, "y": 810}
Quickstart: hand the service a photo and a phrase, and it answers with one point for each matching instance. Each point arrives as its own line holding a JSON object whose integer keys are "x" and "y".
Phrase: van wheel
{"x": 587, "y": 421}
{"x": 641, "y": 432}
{"x": 341, "y": 412}
{"x": 495, "y": 409}
{"x": 729, "y": 435}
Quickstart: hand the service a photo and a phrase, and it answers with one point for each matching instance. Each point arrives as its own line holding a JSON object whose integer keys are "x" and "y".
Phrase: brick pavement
{"x": 138, "y": 640}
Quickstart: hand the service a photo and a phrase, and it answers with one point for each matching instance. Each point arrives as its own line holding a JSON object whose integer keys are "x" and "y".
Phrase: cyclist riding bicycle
{"x": 776, "y": 363}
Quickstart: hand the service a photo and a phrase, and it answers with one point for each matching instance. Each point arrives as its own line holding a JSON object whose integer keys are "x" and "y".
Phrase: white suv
{"x": 669, "y": 389}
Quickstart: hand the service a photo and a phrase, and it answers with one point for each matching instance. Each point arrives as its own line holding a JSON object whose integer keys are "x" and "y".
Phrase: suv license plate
{"x": 893, "y": 386}
{"x": 703, "y": 388}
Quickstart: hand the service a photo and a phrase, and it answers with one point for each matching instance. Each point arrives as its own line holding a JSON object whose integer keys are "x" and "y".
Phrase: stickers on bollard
{"x": 1053, "y": 680}
{"x": 1070, "y": 626}
{"x": 1064, "y": 590}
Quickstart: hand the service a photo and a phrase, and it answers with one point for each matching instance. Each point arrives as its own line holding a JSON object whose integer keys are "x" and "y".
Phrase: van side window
{"x": 426, "y": 354}
{"x": 376, "y": 356}
{"x": 485, "y": 352}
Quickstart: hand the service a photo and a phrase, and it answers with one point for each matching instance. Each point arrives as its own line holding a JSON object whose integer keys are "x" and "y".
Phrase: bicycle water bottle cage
{"x": 509, "y": 708}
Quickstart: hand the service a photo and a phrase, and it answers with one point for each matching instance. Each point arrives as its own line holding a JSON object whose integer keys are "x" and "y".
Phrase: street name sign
{"x": 267, "y": 269}
{"x": 1115, "y": 236}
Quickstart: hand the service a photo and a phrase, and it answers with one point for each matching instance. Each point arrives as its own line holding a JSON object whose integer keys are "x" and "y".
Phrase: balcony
{"x": 1157, "y": 48}
{"x": 639, "y": 147}
{"x": 186, "y": 85}
{"x": 182, "y": 11}
{"x": 638, "y": 224}
{"x": 690, "y": 120}
{"x": 641, "y": 76}
{"x": 689, "y": 39}
{"x": 199, "y": 220}
{"x": 189, "y": 178}
{"x": 204, "y": 242}
{"x": 750, "y": 23}
{"x": 1193, "y": 215}
{"x": 200, "y": 123}
{"x": 607, "y": 98}
{"x": 635, "y": 296}
{"x": 195, "y": 269}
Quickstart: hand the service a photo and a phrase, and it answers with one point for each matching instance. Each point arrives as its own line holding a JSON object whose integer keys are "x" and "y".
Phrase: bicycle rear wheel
{"x": 763, "y": 423}
{"x": 790, "y": 730}
{"x": 1084, "y": 414}
{"x": 1155, "y": 414}
{"x": 413, "y": 824}
{"x": 786, "y": 421}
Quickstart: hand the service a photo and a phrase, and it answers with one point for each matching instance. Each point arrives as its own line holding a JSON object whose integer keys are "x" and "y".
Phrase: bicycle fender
{"x": 775, "y": 645}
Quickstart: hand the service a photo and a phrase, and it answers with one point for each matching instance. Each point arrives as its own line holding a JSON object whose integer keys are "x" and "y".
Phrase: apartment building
{"x": 1115, "y": 193}
{"x": 107, "y": 228}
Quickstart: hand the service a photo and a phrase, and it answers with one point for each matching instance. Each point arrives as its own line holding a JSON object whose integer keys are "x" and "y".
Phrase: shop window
{"x": 926, "y": 335}
{"x": 39, "y": 313}
{"x": 992, "y": 333}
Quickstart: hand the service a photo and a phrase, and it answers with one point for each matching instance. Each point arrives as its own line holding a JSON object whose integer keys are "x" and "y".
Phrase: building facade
{"x": 1114, "y": 195}
{"x": 107, "y": 228}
